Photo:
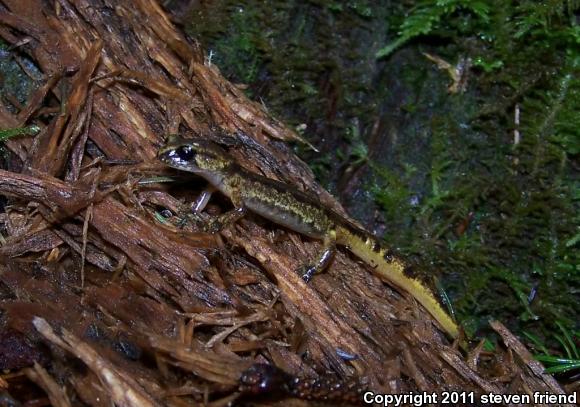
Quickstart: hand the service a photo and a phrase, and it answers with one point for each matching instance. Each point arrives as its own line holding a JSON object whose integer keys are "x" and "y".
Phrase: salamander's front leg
{"x": 202, "y": 200}
{"x": 194, "y": 212}
{"x": 229, "y": 217}
{"x": 226, "y": 219}
{"x": 212, "y": 224}
{"x": 323, "y": 260}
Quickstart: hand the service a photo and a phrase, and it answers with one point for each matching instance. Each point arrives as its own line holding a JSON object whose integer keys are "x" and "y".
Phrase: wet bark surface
{"x": 104, "y": 298}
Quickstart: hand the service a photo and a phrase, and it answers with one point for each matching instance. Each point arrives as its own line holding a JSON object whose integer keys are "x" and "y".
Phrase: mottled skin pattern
{"x": 299, "y": 212}
{"x": 262, "y": 380}
{"x": 280, "y": 207}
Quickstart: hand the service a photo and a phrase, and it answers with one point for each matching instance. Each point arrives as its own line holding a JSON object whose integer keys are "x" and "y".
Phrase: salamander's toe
{"x": 307, "y": 272}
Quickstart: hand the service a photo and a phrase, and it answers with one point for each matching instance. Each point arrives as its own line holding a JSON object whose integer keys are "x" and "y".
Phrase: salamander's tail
{"x": 392, "y": 270}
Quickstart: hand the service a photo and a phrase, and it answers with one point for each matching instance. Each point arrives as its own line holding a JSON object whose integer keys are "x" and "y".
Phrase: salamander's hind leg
{"x": 323, "y": 260}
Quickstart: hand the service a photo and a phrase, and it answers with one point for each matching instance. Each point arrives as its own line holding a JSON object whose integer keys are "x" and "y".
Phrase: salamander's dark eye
{"x": 185, "y": 153}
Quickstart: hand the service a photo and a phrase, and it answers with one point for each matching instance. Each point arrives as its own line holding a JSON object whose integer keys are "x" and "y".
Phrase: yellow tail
{"x": 392, "y": 270}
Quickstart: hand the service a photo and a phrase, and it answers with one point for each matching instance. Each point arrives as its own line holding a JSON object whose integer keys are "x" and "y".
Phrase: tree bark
{"x": 162, "y": 315}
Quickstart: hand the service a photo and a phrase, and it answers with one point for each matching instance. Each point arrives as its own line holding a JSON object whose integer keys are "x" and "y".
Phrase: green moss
{"x": 5, "y": 134}
{"x": 570, "y": 361}
{"x": 14, "y": 80}
{"x": 307, "y": 61}
{"x": 16, "y": 86}
{"x": 426, "y": 17}
{"x": 521, "y": 197}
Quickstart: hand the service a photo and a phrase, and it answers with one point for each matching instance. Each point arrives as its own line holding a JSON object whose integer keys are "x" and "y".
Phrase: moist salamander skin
{"x": 286, "y": 206}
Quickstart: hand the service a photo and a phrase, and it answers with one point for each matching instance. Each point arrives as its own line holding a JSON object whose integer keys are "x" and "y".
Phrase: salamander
{"x": 297, "y": 211}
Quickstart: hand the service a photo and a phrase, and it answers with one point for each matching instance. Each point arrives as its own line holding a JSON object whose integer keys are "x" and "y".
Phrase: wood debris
{"x": 104, "y": 299}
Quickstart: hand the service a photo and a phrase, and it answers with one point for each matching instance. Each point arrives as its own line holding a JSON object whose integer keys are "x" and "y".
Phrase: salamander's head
{"x": 201, "y": 157}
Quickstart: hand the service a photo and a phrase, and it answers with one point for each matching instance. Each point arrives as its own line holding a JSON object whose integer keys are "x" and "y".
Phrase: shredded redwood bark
{"x": 104, "y": 299}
